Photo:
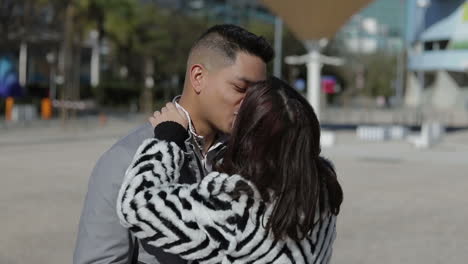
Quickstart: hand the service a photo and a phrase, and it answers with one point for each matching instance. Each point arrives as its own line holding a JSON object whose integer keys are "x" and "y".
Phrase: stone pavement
{"x": 402, "y": 205}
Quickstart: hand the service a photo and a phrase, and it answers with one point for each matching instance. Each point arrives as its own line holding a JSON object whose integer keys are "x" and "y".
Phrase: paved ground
{"x": 402, "y": 205}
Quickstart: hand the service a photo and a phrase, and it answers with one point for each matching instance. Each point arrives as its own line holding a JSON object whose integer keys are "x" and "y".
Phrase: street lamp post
{"x": 278, "y": 46}
{"x": 95, "y": 58}
{"x": 314, "y": 62}
{"x": 23, "y": 63}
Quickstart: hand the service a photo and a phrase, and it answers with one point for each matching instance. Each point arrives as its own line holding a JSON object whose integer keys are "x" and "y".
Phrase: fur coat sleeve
{"x": 197, "y": 222}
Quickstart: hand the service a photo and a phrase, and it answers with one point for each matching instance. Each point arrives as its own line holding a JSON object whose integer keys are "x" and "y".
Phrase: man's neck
{"x": 201, "y": 127}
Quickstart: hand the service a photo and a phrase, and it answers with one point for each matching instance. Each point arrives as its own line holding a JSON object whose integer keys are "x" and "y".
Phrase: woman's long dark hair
{"x": 275, "y": 144}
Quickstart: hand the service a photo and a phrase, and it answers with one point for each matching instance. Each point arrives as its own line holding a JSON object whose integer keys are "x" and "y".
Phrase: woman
{"x": 273, "y": 199}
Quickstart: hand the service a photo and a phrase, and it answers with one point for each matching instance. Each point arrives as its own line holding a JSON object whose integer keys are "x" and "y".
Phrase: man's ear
{"x": 197, "y": 74}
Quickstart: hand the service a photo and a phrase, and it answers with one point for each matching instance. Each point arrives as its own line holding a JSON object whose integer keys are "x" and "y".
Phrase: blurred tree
{"x": 146, "y": 46}
{"x": 27, "y": 20}
{"x": 153, "y": 44}
{"x": 138, "y": 36}
{"x": 183, "y": 31}
{"x": 291, "y": 45}
{"x": 380, "y": 74}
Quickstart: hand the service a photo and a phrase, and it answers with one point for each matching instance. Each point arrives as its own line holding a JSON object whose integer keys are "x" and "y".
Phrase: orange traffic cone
{"x": 10, "y": 102}
{"x": 46, "y": 109}
{"x": 102, "y": 119}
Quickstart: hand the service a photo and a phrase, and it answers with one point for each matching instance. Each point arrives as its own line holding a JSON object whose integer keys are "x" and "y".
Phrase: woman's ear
{"x": 197, "y": 72}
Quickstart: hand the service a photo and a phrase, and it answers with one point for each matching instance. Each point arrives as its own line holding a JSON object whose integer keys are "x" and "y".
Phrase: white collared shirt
{"x": 199, "y": 141}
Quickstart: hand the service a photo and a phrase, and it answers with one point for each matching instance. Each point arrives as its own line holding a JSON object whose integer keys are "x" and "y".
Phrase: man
{"x": 223, "y": 63}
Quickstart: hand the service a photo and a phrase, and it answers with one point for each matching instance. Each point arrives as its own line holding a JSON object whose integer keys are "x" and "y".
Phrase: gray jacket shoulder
{"x": 101, "y": 238}
{"x": 111, "y": 166}
{"x": 121, "y": 153}
{"x": 133, "y": 140}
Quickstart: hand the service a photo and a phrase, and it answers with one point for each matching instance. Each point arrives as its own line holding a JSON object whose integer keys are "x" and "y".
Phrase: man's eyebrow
{"x": 247, "y": 81}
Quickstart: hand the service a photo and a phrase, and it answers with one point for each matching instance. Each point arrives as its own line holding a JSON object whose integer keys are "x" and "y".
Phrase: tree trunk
{"x": 75, "y": 75}
{"x": 65, "y": 63}
{"x": 147, "y": 94}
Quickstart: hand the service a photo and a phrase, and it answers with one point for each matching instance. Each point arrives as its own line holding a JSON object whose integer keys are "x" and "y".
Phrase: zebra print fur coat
{"x": 201, "y": 222}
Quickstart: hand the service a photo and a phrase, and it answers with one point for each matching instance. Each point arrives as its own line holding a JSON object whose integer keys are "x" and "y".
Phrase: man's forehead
{"x": 247, "y": 69}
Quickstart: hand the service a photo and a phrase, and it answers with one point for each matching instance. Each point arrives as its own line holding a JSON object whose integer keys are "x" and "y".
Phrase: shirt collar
{"x": 221, "y": 139}
{"x": 187, "y": 115}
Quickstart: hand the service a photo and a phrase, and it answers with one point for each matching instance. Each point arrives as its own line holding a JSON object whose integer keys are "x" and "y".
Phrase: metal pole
{"x": 314, "y": 67}
{"x": 423, "y": 5}
{"x": 400, "y": 76}
{"x": 23, "y": 62}
{"x": 95, "y": 59}
{"x": 278, "y": 47}
{"x": 421, "y": 75}
{"x": 52, "y": 84}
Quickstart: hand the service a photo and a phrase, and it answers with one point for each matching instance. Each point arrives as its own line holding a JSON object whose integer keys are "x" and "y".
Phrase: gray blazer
{"x": 101, "y": 238}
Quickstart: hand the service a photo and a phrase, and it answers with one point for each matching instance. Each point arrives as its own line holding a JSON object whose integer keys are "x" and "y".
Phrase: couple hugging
{"x": 229, "y": 172}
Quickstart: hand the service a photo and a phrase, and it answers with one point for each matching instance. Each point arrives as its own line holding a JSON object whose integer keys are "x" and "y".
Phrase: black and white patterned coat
{"x": 202, "y": 222}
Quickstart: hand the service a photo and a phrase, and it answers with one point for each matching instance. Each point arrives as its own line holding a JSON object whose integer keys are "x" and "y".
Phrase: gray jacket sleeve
{"x": 101, "y": 239}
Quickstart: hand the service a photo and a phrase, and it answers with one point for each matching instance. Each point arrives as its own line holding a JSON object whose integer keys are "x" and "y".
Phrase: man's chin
{"x": 227, "y": 129}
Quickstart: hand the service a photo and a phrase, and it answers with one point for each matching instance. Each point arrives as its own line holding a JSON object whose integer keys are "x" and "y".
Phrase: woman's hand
{"x": 169, "y": 113}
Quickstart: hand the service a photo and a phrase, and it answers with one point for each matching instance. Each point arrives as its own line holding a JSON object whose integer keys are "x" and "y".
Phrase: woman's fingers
{"x": 171, "y": 107}
{"x": 153, "y": 121}
{"x": 175, "y": 114}
{"x": 170, "y": 112}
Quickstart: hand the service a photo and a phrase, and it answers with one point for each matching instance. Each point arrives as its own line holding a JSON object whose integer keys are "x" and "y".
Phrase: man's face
{"x": 225, "y": 89}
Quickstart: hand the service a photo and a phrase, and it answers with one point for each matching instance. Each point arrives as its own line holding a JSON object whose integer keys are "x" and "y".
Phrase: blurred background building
{"x": 77, "y": 75}
{"x": 129, "y": 55}
{"x": 380, "y": 26}
{"x": 124, "y": 55}
{"x": 373, "y": 44}
{"x": 437, "y": 44}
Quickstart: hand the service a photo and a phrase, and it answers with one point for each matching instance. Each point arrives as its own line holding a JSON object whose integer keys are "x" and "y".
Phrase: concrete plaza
{"x": 402, "y": 205}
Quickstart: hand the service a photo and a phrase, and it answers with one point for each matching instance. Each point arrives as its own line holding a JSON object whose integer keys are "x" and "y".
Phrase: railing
{"x": 451, "y": 60}
{"x": 406, "y": 117}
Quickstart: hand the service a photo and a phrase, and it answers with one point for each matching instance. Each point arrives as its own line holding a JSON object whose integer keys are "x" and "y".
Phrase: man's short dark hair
{"x": 230, "y": 39}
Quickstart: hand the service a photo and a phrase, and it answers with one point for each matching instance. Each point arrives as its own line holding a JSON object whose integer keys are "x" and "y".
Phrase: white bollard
{"x": 373, "y": 133}
{"x": 398, "y": 132}
{"x": 327, "y": 139}
{"x": 431, "y": 134}
{"x": 24, "y": 113}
